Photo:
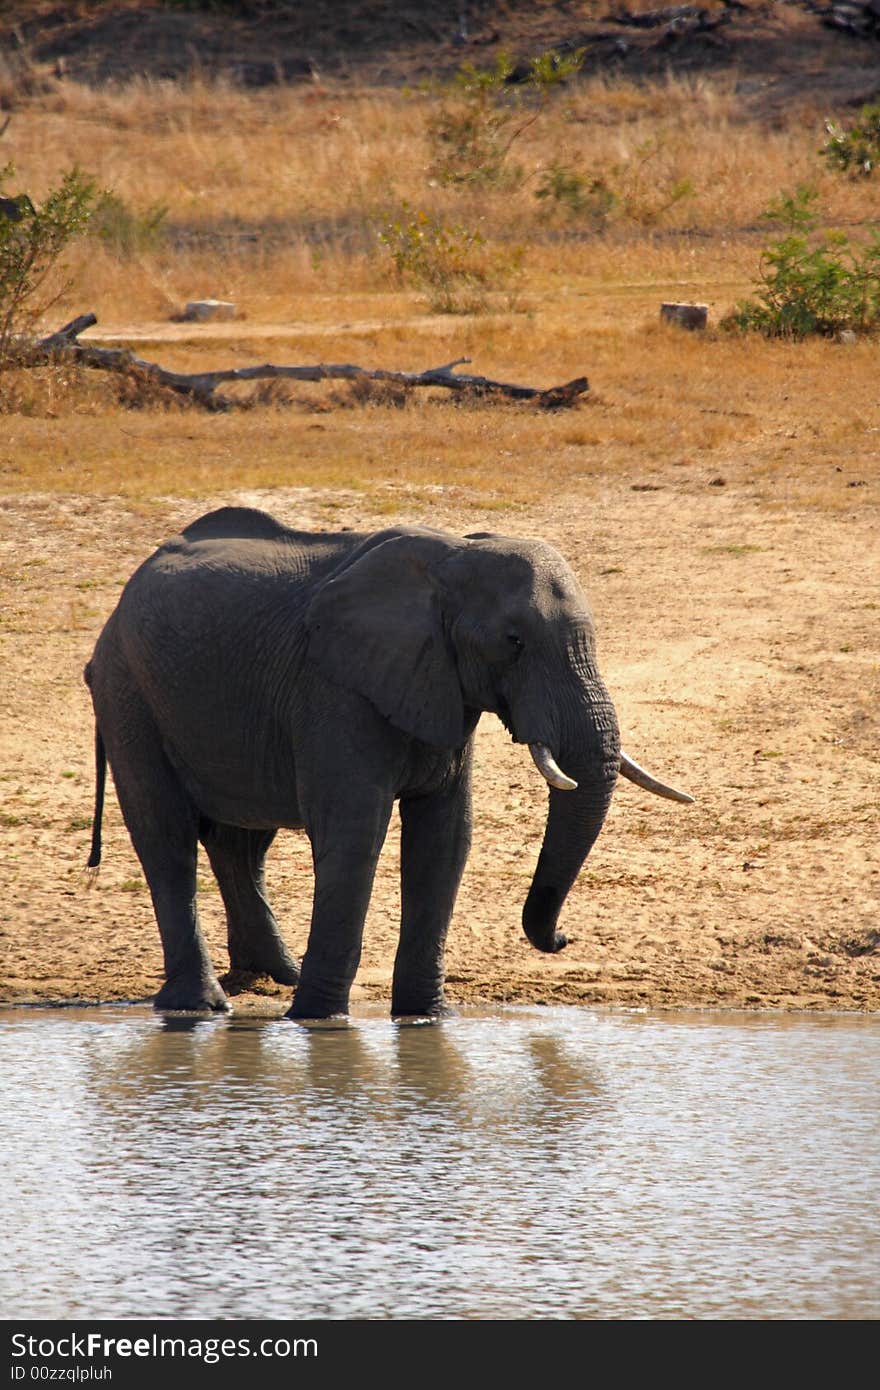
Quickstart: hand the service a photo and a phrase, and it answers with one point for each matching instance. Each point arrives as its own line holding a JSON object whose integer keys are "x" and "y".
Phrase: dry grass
{"x": 275, "y": 200}
{"x": 212, "y": 151}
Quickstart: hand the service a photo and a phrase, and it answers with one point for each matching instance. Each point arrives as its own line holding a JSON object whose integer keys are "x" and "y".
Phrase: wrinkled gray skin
{"x": 254, "y": 677}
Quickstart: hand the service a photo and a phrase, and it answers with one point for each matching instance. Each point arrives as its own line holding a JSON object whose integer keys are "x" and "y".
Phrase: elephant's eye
{"x": 514, "y": 642}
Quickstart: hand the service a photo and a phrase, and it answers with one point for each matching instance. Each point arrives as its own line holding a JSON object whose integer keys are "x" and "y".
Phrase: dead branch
{"x": 202, "y": 386}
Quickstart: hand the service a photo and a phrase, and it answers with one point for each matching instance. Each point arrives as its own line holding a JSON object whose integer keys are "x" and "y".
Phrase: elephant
{"x": 254, "y": 677}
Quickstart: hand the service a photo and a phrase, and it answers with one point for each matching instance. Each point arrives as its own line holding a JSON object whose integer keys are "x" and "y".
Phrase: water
{"x": 523, "y": 1163}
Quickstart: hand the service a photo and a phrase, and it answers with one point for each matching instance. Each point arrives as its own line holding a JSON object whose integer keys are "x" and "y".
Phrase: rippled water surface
{"x": 523, "y": 1163}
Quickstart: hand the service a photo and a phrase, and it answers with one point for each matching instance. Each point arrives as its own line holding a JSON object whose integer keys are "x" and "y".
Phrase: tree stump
{"x": 685, "y": 315}
{"x": 202, "y": 309}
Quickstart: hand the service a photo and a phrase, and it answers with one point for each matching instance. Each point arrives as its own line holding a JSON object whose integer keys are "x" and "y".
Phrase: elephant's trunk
{"x": 590, "y": 757}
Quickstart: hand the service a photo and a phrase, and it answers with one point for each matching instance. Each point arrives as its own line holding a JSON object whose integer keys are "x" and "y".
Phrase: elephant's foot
{"x": 200, "y": 995}
{"x": 238, "y": 981}
{"x": 313, "y": 1004}
{"x": 436, "y": 1014}
{"x": 278, "y": 965}
{"x": 419, "y": 996}
{"x": 325, "y": 1021}
{"x": 435, "y": 1011}
{"x": 323, "y": 990}
{"x": 307, "y": 1014}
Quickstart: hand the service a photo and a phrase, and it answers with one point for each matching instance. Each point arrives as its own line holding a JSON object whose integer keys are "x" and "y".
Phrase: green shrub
{"x": 811, "y": 282}
{"x": 453, "y": 263}
{"x": 32, "y": 241}
{"x": 125, "y": 232}
{"x": 855, "y": 151}
{"x": 629, "y": 188}
{"x": 579, "y": 194}
{"x": 487, "y": 110}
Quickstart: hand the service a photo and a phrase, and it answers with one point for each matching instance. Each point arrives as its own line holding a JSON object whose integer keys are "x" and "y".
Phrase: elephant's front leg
{"x": 435, "y": 841}
{"x": 346, "y": 843}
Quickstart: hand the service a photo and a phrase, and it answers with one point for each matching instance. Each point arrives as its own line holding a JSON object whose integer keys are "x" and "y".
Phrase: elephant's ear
{"x": 376, "y": 627}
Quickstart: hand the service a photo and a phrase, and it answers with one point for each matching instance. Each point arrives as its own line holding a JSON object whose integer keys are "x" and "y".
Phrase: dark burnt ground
{"x": 784, "y": 53}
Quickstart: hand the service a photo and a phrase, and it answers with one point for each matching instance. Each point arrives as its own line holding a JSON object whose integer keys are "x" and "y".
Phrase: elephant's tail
{"x": 100, "y": 784}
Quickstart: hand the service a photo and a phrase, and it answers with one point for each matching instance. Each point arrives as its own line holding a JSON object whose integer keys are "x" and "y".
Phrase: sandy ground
{"x": 740, "y": 642}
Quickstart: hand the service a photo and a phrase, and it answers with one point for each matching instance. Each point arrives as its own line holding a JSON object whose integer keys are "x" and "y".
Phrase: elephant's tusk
{"x": 644, "y": 779}
{"x": 549, "y": 768}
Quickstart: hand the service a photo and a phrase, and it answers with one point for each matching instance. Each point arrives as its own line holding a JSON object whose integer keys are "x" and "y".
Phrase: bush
{"x": 32, "y": 241}
{"x": 486, "y": 112}
{"x": 811, "y": 283}
{"x": 582, "y": 195}
{"x": 454, "y": 264}
{"x": 123, "y": 231}
{"x": 855, "y": 151}
{"x": 630, "y": 188}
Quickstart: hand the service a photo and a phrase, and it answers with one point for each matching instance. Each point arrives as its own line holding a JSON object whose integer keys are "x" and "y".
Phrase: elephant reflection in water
{"x": 253, "y": 677}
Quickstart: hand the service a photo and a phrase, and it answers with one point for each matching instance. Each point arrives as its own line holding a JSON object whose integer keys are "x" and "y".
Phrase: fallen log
{"x": 202, "y": 386}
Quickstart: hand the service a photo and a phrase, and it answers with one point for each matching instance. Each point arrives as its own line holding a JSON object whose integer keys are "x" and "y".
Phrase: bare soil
{"x": 784, "y": 54}
{"x": 746, "y": 673}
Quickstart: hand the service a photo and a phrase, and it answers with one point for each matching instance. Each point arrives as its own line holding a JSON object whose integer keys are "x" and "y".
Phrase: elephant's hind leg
{"x": 237, "y": 857}
{"x": 162, "y": 822}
